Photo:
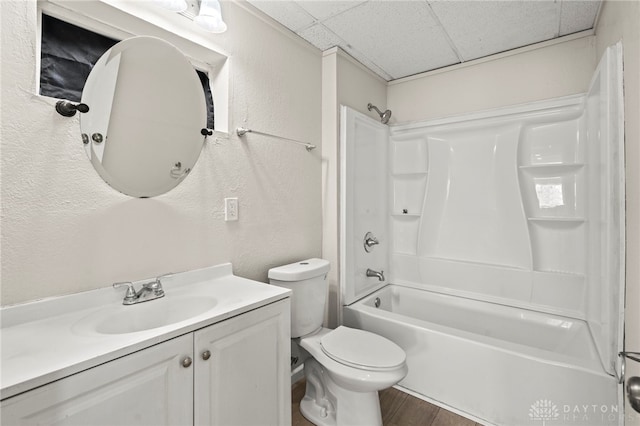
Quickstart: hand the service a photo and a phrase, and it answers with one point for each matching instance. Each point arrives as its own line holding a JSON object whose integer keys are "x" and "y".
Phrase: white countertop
{"x": 47, "y": 340}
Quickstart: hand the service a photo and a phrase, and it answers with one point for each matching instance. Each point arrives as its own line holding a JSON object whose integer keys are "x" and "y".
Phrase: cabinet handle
{"x": 206, "y": 355}
{"x": 186, "y": 363}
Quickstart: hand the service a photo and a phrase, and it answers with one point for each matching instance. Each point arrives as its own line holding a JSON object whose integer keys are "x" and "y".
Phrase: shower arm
{"x": 371, "y": 106}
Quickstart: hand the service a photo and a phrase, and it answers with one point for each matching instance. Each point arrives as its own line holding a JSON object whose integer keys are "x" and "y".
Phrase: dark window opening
{"x": 70, "y": 52}
{"x": 208, "y": 97}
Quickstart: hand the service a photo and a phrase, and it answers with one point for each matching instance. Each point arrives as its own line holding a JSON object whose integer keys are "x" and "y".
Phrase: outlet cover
{"x": 230, "y": 209}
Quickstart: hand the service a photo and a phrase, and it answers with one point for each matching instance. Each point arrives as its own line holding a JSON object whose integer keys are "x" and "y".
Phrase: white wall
{"x": 64, "y": 230}
{"x": 619, "y": 21}
{"x": 345, "y": 82}
{"x": 543, "y": 71}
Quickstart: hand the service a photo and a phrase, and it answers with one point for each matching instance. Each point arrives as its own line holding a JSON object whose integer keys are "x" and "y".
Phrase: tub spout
{"x": 372, "y": 273}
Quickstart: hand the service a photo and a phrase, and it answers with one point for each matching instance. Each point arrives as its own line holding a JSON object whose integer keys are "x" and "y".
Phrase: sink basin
{"x": 145, "y": 316}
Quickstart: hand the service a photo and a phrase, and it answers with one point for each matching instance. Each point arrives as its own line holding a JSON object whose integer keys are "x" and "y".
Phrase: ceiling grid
{"x": 399, "y": 38}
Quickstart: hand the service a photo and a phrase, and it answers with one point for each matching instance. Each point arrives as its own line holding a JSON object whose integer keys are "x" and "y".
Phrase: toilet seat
{"x": 362, "y": 349}
{"x": 349, "y": 375}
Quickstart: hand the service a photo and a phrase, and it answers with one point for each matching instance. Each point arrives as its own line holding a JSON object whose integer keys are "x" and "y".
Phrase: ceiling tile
{"x": 320, "y": 37}
{"x": 288, "y": 13}
{"x": 481, "y": 28}
{"x": 397, "y": 38}
{"x": 322, "y": 9}
{"x": 401, "y": 37}
{"x": 577, "y": 15}
{"x": 367, "y": 62}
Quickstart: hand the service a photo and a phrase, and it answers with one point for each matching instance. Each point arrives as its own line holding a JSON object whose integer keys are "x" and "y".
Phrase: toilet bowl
{"x": 357, "y": 360}
{"x": 342, "y": 381}
{"x": 345, "y": 368}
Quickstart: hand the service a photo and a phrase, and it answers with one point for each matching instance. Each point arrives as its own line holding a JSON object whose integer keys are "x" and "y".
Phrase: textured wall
{"x": 619, "y": 21}
{"x": 64, "y": 230}
{"x": 542, "y": 72}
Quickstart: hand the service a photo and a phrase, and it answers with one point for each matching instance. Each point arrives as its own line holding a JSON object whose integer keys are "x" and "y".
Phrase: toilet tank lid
{"x": 299, "y": 271}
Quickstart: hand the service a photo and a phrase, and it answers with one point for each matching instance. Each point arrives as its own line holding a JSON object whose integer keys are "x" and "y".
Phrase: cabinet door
{"x": 247, "y": 379}
{"x": 149, "y": 387}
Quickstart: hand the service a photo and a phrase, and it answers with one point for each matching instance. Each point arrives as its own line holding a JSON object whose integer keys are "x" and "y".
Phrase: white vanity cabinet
{"x": 234, "y": 372}
{"x": 245, "y": 378}
{"x": 149, "y": 387}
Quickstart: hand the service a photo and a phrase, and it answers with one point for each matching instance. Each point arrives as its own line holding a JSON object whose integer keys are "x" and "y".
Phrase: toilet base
{"x": 327, "y": 404}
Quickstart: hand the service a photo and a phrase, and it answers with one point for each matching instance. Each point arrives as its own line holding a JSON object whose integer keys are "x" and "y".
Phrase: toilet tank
{"x": 307, "y": 281}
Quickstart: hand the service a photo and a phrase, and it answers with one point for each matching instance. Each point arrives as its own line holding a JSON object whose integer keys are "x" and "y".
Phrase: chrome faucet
{"x": 148, "y": 291}
{"x": 372, "y": 273}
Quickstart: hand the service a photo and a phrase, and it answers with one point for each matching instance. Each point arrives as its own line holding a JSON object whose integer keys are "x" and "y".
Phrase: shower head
{"x": 384, "y": 116}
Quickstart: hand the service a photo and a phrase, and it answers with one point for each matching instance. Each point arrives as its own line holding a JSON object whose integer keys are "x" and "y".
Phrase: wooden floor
{"x": 398, "y": 409}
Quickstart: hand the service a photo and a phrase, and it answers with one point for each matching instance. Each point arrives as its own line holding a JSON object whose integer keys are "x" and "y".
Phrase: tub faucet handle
{"x": 369, "y": 242}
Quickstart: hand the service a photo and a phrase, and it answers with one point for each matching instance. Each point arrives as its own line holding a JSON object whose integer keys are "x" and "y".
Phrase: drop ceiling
{"x": 396, "y": 38}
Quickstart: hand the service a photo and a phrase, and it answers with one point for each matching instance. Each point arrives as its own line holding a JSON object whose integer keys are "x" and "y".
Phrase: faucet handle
{"x": 168, "y": 274}
{"x": 156, "y": 285}
{"x": 131, "y": 291}
{"x": 369, "y": 241}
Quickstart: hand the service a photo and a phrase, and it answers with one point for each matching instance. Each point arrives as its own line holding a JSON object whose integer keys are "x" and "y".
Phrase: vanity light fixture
{"x": 207, "y": 14}
{"x": 172, "y": 5}
{"x": 210, "y": 17}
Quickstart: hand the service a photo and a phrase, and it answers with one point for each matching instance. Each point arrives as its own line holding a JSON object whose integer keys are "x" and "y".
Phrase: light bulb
{"x": 172, "y": 5}
{"x": 210, "y": 17}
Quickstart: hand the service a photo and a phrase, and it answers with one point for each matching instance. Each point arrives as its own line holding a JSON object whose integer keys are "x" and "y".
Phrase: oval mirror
{"x": 147, "y": 109}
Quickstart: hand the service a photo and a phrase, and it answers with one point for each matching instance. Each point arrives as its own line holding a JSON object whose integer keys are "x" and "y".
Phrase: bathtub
{"x": 495, "y": 364}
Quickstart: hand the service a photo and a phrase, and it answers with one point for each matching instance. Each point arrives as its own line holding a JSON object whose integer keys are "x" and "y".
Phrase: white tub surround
{"x": 518, "y": 210}
{"x": 51, "y": 339}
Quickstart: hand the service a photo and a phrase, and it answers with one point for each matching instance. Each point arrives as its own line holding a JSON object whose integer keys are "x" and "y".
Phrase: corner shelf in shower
{"x": 554, "y": 167}
{"x": 557, "y": 219}
{"x": 405, "y": 228}
{"x": 408, "y": 174}
{"x": 408, "y": 191}
{"x": 558, "y": 244}
{"x": 554, "y": 192}
{"x": 561, "y": 274}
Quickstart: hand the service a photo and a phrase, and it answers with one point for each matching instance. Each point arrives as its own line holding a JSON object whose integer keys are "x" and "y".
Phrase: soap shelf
{"x": 561, "y": 273}
{"x": 408, "y": 174}
{"x": 552, "y": 166}
{"x": 408, "y": 194}
{"x": 557, "y": 219}
{"x": 551, "y": 169}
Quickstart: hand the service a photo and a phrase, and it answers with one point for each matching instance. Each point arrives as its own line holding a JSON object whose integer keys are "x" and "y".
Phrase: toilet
{"x": 344, "y": 368}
